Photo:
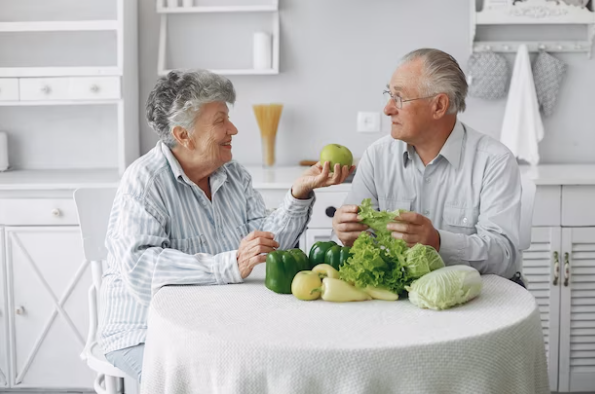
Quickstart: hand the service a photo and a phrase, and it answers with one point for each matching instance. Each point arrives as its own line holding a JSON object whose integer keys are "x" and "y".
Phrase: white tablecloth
{"x": 243, "y": 338}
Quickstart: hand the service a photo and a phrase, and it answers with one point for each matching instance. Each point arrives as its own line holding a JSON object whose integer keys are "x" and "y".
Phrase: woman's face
{"x": 212, "y": 134}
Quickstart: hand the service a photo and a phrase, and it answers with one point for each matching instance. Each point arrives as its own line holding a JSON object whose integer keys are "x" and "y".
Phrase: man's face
{"x": 411, "y": 121}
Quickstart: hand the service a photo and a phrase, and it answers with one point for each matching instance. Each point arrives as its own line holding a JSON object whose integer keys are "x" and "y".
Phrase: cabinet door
{"x": 541, "y": 266}
{"x": 47, "y": 297}
{"x": 3, "y": 317}
{"x": 577, "y": 309}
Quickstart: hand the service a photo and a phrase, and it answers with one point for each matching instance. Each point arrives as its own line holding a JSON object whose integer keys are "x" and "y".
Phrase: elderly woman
{"x": 186, "y": 214}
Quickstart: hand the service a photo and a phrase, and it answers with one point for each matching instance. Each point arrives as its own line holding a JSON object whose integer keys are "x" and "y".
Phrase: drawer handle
{"x": 20, "y": 310}
{"x": 556, "y": 269}
{"x": 330, "y": 211}
{"x": 95, "y": 88}
{"x": 566, "y": 269}
{"x": 46, "y": 89}
{"x": 56, "y": 212}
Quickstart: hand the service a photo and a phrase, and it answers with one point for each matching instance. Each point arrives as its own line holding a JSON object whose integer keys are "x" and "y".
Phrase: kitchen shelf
{"x": 7, "y": 72}
{"x": 58, "y": 26}
{"x": 212, "y": 9}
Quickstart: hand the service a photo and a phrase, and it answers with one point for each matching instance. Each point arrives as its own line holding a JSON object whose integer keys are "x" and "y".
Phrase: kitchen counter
{"x": 280, "y": 178}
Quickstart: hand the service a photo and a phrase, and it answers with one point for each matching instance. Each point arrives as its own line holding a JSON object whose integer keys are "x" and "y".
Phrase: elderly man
{"x": 463, "y": 187}
{"x": 185, "y": 213}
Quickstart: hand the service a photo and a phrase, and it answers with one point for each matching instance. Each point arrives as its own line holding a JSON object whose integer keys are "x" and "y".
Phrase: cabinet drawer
{"x": 41, "y": 89}
{"x": 323, "y": 212}
{"x": 546, "y": 208}
{"x": 76, "y": 88}
{"x": 9, "y": 89}
{"x": 577, "y": 205}
{"x": 30, "y": 211}
{"x": 95, "y": 88}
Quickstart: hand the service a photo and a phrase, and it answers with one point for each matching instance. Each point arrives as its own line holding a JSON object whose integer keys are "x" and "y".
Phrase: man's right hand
{"x": 346, "y": 224}
{"x": 253, "y": 250}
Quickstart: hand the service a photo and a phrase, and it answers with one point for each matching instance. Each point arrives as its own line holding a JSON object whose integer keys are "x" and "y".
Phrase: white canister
{"x": 263, "y": 51}
{"x": 3, "y": 151}
{"x": 188, "y": 3}
{"x": 172, "y": 3}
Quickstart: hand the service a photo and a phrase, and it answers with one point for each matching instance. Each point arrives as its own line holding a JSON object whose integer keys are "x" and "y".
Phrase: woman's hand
{"x": 319, "y": 175}
{"x": 253, "y": 250}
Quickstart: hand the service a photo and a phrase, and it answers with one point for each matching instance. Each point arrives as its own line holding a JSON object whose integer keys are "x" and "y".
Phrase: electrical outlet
{"x": 368, "y": 122}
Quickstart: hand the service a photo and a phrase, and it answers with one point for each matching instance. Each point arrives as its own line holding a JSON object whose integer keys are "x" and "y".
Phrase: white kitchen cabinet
{"x": 3, "y": 318}
{"x": 577, "y": 310}
{"x": 541, "y": 265}
{"x": 46, "y": 283}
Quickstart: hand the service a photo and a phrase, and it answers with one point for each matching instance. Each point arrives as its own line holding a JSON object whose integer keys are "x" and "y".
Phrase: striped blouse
{"x": 163, "y": 230}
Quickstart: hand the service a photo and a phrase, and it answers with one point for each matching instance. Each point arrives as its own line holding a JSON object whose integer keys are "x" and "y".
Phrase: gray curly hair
{"x": 177, "y": 98}
{"x": 441, "y": 74}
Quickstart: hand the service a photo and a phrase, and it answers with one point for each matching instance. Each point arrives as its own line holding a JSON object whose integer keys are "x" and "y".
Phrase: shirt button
{"x": 464, "y": 220}
{"x": 426, "y": 212}
{"x": 427, "y": 179}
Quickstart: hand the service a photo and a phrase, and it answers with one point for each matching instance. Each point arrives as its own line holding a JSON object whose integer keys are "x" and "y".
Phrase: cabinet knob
{"x": 46, "y": 89}
{"x": 556, "y": 269}
{"x": 95, "y": 88}
{"x": 20, "y": 310}
{"x": 330, "y": 211}
{"x": 566, "y": 269}
{"x": 56, "y": 212}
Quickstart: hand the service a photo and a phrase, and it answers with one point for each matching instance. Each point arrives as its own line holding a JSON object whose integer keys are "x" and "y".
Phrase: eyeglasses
{"x": 399, "y": 101}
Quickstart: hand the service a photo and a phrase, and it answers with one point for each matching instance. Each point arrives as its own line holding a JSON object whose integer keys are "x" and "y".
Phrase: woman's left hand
{"x": 319, "y": 175}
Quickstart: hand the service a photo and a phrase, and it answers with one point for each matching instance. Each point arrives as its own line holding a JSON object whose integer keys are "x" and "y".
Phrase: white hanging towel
{"x": 522, "y": 128}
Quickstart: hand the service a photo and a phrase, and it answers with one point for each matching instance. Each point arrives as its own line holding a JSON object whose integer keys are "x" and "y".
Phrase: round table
{"x": 243, "y": 338}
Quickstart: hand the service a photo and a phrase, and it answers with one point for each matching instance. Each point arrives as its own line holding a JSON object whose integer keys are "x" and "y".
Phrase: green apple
{"x": 336, "y": 153}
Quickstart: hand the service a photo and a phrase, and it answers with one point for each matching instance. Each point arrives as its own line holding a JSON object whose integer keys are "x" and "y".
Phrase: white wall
{"x": 336, "y": 58}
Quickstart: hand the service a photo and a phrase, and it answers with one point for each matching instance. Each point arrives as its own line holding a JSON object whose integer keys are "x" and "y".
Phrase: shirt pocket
{"x": 387, "y": 204}
{"x": 192, "y": 245}
{"x": 460, "y": 220}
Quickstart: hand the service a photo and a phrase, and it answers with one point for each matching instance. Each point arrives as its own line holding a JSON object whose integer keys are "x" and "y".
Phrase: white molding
{"x": 7, "y": 72}
{"x": 215, "y": 9}
{"x": 58, "y": 102}
{"x": 271, "y": 71}
{"x": 58, "y": 179}
{"x": 43, "y": 26}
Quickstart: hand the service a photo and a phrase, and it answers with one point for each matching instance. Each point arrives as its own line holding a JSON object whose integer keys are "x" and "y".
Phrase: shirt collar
{"x": 451, "y": 150}
{"x": 217, "y": 178}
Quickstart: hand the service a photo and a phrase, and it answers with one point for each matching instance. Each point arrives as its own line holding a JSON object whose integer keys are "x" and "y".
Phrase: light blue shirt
{"x": 471, "y": 192}
{"x": 163, "y": 230}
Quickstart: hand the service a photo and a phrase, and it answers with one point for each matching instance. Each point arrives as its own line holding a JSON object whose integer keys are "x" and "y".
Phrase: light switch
{"x": 368, "y": 122}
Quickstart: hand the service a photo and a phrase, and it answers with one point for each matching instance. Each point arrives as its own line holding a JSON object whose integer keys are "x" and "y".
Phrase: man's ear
{"x": 440, "y": 106}
{"x": 182, "y": 136}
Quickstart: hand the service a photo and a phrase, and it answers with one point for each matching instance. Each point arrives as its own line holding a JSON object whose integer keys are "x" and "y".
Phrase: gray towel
{"x": 548, "y": 74}
{"x": 488, "y": 75}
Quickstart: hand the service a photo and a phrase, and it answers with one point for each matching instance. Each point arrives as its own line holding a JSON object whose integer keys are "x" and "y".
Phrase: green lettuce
{"x": 422, "y": 259}
{"x": 445, "y": 287}
{"x": 374, "y": 219}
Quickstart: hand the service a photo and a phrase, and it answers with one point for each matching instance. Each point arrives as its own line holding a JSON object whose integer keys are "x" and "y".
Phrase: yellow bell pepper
{"x": 336, "y": 290}
{"x": 326, "y": 270}
{"x": 381, "y": 294}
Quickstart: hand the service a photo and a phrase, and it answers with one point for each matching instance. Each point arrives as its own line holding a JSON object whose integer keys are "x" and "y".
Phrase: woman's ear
{"x": 182, "y": 136}
{"x": 441, "y": 104}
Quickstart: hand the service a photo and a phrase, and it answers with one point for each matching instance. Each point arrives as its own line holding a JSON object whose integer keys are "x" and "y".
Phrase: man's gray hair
{"x": 441, "y": 74}
{"x": 177, "y": 98}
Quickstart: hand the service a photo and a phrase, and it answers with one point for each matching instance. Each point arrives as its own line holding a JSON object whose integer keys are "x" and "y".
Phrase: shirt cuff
{"x": 451, "y": 247}
{"x": 226, "y": 269}
{"x": 296, "y": 206}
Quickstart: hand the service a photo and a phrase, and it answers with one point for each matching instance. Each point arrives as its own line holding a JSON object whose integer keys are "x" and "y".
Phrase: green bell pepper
{"x": 337, "y": 255}
{"x": 318, "y": 252}
{"x": 282, "y": 266}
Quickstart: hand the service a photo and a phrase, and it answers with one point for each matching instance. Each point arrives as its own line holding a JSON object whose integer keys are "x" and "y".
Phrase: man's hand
{"x": 346, "y": 224}
{"x": 253, "y": 249}
{"x": 414, "y": 228}
{"x": 319, "y": 175}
